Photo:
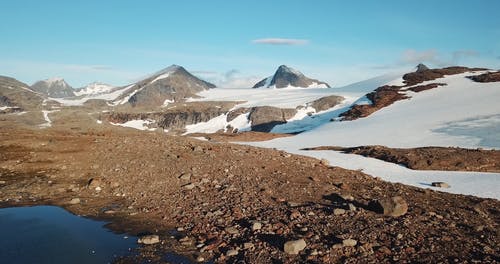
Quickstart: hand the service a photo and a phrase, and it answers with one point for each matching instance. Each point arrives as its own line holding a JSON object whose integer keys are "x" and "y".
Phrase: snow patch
{"x": 137, "y": 124}
{"x": 48, "y": 122}
{"x": 213, "y": 125}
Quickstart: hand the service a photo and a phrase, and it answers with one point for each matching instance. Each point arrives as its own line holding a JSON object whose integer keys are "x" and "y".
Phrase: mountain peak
{"x": 53, "y": 87}
{"x": 421, "y": 67}
{"x": 289, "y": 77}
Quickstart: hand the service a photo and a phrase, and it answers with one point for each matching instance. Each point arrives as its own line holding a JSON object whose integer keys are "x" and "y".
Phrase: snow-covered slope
{"x": 94, "y": 88}
{"x": 463, "y": 113}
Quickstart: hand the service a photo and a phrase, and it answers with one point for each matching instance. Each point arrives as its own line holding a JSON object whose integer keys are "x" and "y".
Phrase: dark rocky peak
{"x": 288, "y": 77}
{"x": 421, "y": 67}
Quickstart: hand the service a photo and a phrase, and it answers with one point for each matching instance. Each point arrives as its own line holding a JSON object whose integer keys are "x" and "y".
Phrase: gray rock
{"x": 293, "y": 247}
{"x": 264, "y": 118}
{"x": 185, "y": 176}
{"x": 149, "y": 239}
{"x": 441, "y": 184}
{"x": 325, "y": 103}
{"x": 395, "y": 206}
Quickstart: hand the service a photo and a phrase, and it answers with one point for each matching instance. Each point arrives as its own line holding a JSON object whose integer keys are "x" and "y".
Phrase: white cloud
{"x": 230, "y": 79}
{"x": 280, "y": 41}
{"x": 411, "y": 56}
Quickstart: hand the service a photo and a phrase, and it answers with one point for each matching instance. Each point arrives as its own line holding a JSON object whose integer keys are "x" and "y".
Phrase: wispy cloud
{"x": 280, "y": 41}
{"x": 412, "y": 56}
{"x": 229, "y": 79}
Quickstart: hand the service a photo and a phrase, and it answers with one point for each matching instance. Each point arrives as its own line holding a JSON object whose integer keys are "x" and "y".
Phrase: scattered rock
{"x": 185, "y": 176}
{"x": 248, "y": 245}
{"x": 441, "y": 184}
{"x": 293, "y": 247}
{"x": 189, "y": 186}
{"x": 74, "y": 201}
{"x": 256, "y": 226}
{"x": 149, "y": 239}
{"x": 338, "y": 211}
{"x": 232, "y": 230}
{"x": 395, "y": 206}
{"x": 232, "y": 252}
{"x": 349, "y": 242}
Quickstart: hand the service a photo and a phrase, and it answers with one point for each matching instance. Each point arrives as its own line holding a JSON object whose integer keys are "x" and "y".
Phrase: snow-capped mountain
{"x": 288, "y": 77}
{"x": 53, "y": 87}
{"x": 94, "y": 88}
{"x": 168, "y": 85}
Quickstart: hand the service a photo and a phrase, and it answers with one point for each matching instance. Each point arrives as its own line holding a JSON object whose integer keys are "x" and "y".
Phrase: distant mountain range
{"x": 288, "y": 77}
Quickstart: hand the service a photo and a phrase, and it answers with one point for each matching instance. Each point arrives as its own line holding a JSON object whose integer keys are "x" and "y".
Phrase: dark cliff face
{"x": 56, "y": 88}
{"x": 173, "y": 83}
{"x": 286, "y": 76}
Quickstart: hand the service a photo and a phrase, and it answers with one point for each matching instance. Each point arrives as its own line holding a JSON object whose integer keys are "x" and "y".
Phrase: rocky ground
{"x": 229, "y": 203}
{"x": 430, "y": 158}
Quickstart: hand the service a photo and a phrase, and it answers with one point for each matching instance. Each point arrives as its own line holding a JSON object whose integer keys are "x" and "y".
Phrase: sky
{"x": 237, "y": 43}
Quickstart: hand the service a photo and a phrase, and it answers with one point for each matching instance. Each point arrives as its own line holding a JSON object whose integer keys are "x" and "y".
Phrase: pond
{"x": 50, "y": 234}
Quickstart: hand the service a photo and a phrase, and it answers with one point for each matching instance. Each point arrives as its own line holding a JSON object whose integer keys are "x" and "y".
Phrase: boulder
{"x": 394, "y": 206}
{"x": 293, "y": 247}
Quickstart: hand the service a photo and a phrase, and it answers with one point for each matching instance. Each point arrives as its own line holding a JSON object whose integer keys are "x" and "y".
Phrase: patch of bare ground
{"x": 487, "y": 77}
{"x": 232, "y": 203}
{"x": 430, "y": 158}
{"x": 387, "y": 94}
{"x": 247, "y": 136}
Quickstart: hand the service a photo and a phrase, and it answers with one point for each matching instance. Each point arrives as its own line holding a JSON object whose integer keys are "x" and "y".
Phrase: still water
{"x": 49, "y": 234}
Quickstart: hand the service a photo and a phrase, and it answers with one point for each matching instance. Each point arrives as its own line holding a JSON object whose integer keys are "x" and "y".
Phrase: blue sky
{"x": 235, "y": 43}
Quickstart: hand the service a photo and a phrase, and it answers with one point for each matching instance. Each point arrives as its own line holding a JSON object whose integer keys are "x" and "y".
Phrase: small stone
{"x": 338, "y": 211}
{"x": 248, "y": 245}
{"x": 293, "y": 247}
{"x": 399, "y": 236}
{"x": 314, "y": 252}
{"x": 232, "y": 252}
{"x": 232, "y": 230}
{"x": 256, "y": 226}
{"x": 440, "y": 184}
{"x": 352, "y": 207}
{"x": 2, "y": 182}
{"x": 189, "y": 186}
{"x": 149, "y": 239}
{"x": 185, "y": 176}
{"x": 347, "y": 197}
{"x": 74, "y": 201}
{"x": 338, "y": 245}
{"x": 200, "y": 259}
{"x": 98, "y": 189}
{"x": 395, "y": 206}
{"x": 349, "y": 242}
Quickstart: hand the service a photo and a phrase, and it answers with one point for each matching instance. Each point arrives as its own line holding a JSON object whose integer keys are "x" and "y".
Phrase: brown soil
{"x": 487, "y": 77}
{"x": 387, "y": 95}
{"x": 430, "y": 158}
{"x": 226, "y": 187}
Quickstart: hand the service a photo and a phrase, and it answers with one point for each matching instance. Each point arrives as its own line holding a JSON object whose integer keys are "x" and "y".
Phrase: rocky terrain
{"x": 230, "y": 203}
{"x": 430, "y": 158}
{"x": 288, "y": 77}
{"x": 487, "y": 77}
